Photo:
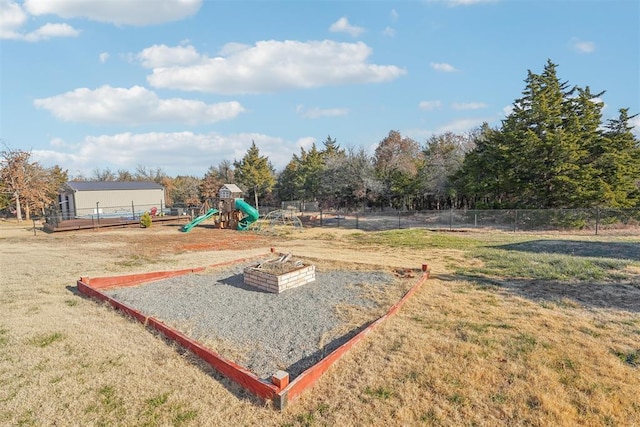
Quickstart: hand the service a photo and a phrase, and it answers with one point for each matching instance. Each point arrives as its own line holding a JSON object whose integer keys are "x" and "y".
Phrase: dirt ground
{"x": 457, "y": 354}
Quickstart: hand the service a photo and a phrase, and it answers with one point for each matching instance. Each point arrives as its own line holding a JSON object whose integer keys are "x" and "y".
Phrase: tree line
{"x": 553, "y": 150}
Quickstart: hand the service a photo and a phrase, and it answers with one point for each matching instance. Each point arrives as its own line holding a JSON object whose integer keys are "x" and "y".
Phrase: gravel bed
{"x": 273, "y": 331}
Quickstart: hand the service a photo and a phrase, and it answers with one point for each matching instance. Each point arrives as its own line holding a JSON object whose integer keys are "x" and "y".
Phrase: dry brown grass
{"x": 457, "y": 354}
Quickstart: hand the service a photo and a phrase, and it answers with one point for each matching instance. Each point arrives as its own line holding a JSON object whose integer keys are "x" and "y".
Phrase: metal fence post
{"x": 515, "y": 222}
{"x": 133, "y": 211}
{"x": 597, "y": 219}
{"x": 451, "y": 219}
{"x": 399, "y": 227}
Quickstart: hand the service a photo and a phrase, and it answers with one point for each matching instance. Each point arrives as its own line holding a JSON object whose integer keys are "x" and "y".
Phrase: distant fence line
{"x": 597, "y": 220}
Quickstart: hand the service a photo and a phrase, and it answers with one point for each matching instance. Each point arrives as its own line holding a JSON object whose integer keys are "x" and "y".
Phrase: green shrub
{"x": 145, "y": 220}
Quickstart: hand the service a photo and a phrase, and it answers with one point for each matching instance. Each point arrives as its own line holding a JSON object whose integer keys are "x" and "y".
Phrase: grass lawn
{"x": 512, "y": 329}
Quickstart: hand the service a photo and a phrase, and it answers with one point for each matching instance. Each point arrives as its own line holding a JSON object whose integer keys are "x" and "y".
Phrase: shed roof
{"x": 113, "y": 185}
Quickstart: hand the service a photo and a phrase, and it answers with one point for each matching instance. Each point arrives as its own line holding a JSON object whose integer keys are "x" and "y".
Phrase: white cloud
{"x": 600, "y": 101}
{"x": 462, "y": 125}
{"x": 117, "y": 12}
{"x": 232, "y": 47}
{"x": 13, "y": 18}
{"x": 134, "y": 106}
{"x": 161, "y": 56}
{"x": 315, "y": 113}
{"x": 390, "y": 32}
{"x": 48, "y": 31}
{"x": 342, "y": 26}
{"x": 104, "y": 56}
{"x": 394, "y": 15}
{"x": 271, "y": 66}
{"x": 581, "y": 46}
{"x": 444, "y": 67}
{"x": 468, "y": 105}
{"x": 306, "y": 142}
{"x": 507, "y": 110}
{"x": 429, "y": 105}
{"x": 177, "y": 153}
{"x": 635, "y": 122}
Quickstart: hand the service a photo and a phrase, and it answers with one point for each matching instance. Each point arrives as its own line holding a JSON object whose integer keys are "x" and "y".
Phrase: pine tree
{"x": 551, "y": 152}
{"x": 311, "y": 167}
{"x": 255, "y": 173}
{"x": 290, "y": 182}
{"x": 618, "y": 164}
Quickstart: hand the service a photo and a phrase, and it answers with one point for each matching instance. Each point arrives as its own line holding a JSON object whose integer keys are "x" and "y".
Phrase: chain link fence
{"x": 585, "y": 220}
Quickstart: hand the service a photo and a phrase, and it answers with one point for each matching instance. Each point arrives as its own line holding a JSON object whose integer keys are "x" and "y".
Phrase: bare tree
{"x": 14, "y": 175}
{"x": 28, "y": 185}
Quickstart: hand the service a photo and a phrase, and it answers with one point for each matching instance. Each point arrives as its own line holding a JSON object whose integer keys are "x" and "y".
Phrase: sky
{"x": 183, "y": 85}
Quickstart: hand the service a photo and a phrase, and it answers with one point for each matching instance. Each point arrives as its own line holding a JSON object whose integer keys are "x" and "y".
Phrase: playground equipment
{"x": 251, "y": 214}
{"x": 232, "y": 211}
{"x": 278, "y": 219}
{"x": 187, "y": 227}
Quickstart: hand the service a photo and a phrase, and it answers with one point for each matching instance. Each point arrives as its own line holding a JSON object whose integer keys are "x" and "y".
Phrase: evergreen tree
{"x": 290, "y": 182}
{"x": 254, "y": 173}
{"x": 312, "y": 165}
{"x": 551, "y": 152}
{"x": 618, "y": 164}
{"x": 331, "y": 146}
{"x": 483, "y": 177}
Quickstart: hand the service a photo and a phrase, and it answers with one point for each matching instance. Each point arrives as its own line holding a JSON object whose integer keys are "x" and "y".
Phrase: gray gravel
{"x": 275, "y": 331}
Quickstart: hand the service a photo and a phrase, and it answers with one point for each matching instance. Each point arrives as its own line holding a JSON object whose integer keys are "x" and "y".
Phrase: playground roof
{"x": 232, "y": 188}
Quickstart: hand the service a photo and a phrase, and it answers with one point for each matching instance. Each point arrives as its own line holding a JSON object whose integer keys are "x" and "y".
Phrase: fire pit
{"x": 279, "y": 274}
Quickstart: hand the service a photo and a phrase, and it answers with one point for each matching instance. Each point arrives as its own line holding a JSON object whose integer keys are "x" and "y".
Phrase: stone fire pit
{"x": 279, "y": 274}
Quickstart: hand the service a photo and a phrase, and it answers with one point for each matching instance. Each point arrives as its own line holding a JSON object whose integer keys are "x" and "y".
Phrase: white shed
{"x": 109, "y": 198}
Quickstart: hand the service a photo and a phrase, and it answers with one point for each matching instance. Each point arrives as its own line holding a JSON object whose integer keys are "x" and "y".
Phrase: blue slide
{"x": 198, "y": 220}
{"x": 251, "y": 213}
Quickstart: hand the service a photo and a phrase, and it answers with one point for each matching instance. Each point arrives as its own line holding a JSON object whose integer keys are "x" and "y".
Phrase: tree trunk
{"x": 18, "y": 207}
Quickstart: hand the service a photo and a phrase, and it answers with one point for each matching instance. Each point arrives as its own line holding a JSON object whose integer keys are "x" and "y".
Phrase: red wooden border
{"x": 231, "y": 370}
{"x": 86, "y": 289}
{"x": 134, "y": 279}
{"x": 312, "y": 374}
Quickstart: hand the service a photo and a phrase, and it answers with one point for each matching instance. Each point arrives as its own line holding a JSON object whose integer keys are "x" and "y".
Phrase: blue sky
{"x": 185, "y": 84}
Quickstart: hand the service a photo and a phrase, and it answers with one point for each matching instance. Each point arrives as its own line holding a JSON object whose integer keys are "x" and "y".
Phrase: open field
{"x": 512, "y": 329}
